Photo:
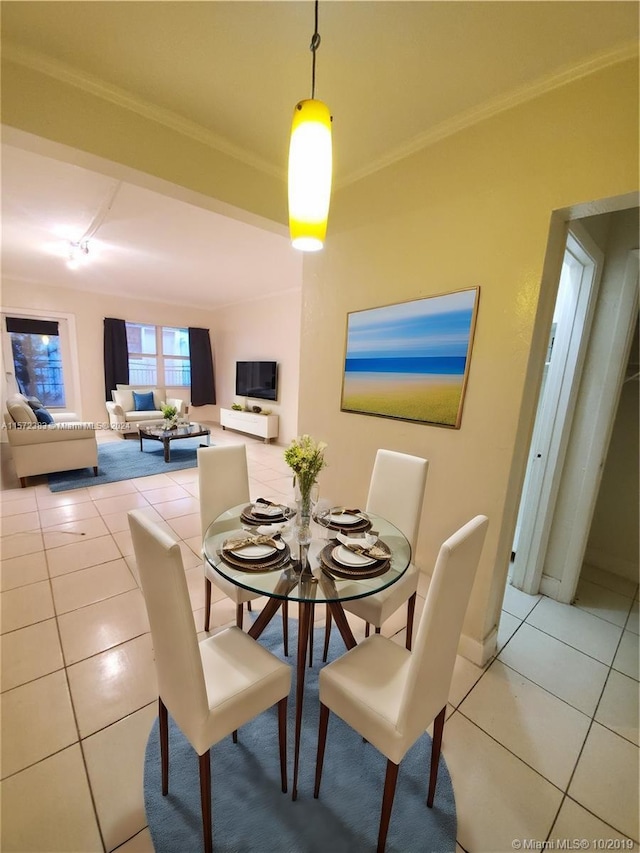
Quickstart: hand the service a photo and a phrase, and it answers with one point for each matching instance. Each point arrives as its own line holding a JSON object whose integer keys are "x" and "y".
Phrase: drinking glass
{"x": 323, "y": 515}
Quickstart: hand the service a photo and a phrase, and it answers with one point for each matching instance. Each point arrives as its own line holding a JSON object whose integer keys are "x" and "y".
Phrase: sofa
{"x": 42, "y": 448}
{"x": 123, "y": 415}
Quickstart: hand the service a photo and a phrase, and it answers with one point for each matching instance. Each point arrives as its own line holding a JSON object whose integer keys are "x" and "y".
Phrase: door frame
{"x": 554, "y": 416}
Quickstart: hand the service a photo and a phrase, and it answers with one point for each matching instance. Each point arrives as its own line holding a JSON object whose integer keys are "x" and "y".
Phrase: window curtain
{"x": 32, "y": 327}
{"x": 202, "y": 382}
{"x": 116, "y": 355}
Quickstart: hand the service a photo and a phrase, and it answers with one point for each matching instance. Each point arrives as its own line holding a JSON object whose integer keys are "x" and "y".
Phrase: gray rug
{"x": 123, "y": 460}
{"x": 251, "y": 815}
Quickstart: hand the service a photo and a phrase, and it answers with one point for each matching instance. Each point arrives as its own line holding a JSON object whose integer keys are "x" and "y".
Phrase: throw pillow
{"x": 35, "y": 403}
{"x": 143, "y": 402}
{"x": 43, "y": 416}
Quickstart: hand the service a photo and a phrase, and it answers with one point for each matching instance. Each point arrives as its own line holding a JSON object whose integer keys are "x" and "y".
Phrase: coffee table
{"x": 166, "y": 436}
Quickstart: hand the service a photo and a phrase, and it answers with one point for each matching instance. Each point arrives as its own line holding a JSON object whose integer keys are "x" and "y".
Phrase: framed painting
{"x": 411, "y": 360}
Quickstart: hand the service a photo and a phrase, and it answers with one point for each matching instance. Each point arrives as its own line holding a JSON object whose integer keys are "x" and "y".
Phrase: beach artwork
{"x": 411, "y": 360}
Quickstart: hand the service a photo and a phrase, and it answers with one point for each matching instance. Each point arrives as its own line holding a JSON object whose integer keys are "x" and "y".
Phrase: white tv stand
{"x": 263, "y": 426}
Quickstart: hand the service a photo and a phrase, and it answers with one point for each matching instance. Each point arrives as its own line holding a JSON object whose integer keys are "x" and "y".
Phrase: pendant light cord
{"x": 313, "y": 47}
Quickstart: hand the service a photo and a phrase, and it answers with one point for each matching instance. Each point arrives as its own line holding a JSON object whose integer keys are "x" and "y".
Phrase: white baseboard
{"x": 550, "y": 586}
{"x": 477, "y": 652}
{"x": 609, "y": 563}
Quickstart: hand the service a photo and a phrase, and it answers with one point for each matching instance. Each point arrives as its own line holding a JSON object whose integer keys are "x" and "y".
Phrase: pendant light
{"x": 310, "y": 165}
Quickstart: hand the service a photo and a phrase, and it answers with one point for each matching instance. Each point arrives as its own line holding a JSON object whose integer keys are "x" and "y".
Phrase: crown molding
{"x": 495, "y": 106}
{"x": 94, "y": 86}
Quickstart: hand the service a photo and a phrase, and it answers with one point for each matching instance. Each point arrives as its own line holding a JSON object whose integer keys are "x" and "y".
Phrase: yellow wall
{"x": 473, "y": 209}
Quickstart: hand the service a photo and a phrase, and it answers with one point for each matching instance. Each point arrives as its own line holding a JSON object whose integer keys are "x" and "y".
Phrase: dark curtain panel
{"x": 32, "y": 327}
{"x": 203, "y": 389}
{"x": 116, "y": 355}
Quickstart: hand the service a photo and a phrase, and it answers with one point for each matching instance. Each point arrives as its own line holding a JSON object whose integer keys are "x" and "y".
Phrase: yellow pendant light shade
{"x": 310, "y": 166}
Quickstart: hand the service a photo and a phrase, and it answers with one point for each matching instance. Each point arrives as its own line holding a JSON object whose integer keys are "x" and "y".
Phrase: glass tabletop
{"x": 182, "y": 430}
{"x": 305, "y": 575}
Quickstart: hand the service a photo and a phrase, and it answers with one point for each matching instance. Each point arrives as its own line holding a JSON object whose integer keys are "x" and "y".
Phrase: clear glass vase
{"x": 303, "y": 520}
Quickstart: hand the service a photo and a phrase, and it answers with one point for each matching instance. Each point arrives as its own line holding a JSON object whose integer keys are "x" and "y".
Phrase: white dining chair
{"x": 223, "y": 480}
{"x": 396, "y": 492}
{"x": 390, "y": 695}
{"x": 210, "y": 688}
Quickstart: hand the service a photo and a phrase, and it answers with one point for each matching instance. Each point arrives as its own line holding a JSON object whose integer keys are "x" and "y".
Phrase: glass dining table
{"x": 308, "y": 574}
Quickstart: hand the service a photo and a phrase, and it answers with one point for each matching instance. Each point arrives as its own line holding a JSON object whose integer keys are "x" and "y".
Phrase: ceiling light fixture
{"x": 79, "y": 249}
{"x": 310, "y": 165}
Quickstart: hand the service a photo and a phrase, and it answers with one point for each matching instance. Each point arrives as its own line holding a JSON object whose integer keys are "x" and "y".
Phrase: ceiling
{"x": 396, "y": 75}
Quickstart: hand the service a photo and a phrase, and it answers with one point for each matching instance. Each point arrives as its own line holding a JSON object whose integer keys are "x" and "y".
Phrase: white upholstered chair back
{"x": 223, "y": 480}
{"x": 181, "y": 684}
{"x": 436, "y": 643}
{"x": 396, "y": 490}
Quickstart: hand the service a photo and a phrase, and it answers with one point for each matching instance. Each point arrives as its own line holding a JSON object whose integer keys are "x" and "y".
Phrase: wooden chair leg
{"x": 311, "y": 621}
{"x": 411, "y": 609}
{"x": 239, "y": 612}
{"x": 387, "y": 803}
{"x": 285, "y": 627}
{"x": 282, "y": 740}
{"x": 23, "y": 482}
{"x": 207, "y": 603}
{"x": 163, "y": 722}
{"x": 205, "y": 800}
{"x": 322, "y": 740}
{"x": 367, "y": 628}
{"x": 234, "y": 736}
{"x": 327, "y": 635}
{"x": 438, "y": 727}
{"x": 95, "y": 470}
{"x": 249, "y": 606}
{"x": 377, "y": 629}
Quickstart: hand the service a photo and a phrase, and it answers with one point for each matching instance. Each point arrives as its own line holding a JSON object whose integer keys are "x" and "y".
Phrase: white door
{"x": 573, "y": 315}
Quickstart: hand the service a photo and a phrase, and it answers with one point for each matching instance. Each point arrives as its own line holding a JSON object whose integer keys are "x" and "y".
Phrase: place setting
{"x": 344, "y": 519}
{"x": 355, "y": 557}
{"x": 263, "y": 511}
{"x": 253, "y": 552}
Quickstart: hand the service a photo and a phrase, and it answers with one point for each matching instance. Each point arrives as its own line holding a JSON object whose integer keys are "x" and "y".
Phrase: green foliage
{"x": 236, "y": 407}
{"x": 306, "y": 459}
{"x": 168, "y": 411}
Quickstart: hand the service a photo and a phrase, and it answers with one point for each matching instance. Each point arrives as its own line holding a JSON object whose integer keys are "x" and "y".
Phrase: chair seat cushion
{"x": 380, "y": 606}
{"x": 150, "y": 415}
{"x": 364, "y": 688}
{"x": 242, "y": 679}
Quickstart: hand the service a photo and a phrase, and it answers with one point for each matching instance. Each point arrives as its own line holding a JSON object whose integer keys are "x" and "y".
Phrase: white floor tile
{"x": 585, "y": 632}
{"x": 602, "y": 602}
{"x": 25, "y": 605}
{"x": 540, "y": 729}
{"x": 618, "y": 584}
{"x": 518, "y": 603}
{"x": 618, "y": 708}
{"x": 57, "y": 792}
{"x": 115, "y": 764}
{"x": 507, "y": 627}
{"x": 140, "y": 843}
{"x": 37, "y": 721}
{"x": 626, "y": 659}
{"x": 557, "y": 667}
{"x": 574, "y": 822}
{"x": 20, "y": 571}
{"x": 632, "y": 624}
{"x": 498, "y": 798}
{"x": 30, "y": 653}
{"x": 606, "y": 780}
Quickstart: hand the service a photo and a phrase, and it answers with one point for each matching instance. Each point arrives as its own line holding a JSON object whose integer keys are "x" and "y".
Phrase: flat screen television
{"x": 257, "y": 379}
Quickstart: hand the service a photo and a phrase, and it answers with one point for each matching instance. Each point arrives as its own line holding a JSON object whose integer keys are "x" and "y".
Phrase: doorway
{"x": 576, "y": 412}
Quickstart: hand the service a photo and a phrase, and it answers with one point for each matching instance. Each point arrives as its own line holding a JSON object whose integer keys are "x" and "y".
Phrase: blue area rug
{"x": 123, "y": 460}
{"x": 251, "y": 815}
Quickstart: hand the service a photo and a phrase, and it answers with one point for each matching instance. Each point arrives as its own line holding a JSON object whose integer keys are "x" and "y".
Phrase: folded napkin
{"x": 266, "y": 508}
{"x": 365, "y": 545}
{"x": 234, "y": 543}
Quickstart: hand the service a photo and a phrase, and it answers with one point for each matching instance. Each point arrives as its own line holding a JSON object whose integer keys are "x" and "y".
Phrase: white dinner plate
{"x": 266, "y": 511}
{"x": 347, "y": 557}
{"x": 345, "y": 518}
{"x": 254, "y": 552}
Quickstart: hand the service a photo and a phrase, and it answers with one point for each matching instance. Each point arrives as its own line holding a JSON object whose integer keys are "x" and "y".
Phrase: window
{"x": 37, "y": 359}
{"x": 158, "y": 355}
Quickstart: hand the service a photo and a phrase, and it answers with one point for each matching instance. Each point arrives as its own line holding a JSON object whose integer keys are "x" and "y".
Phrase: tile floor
{"x": 541, "y": 745}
